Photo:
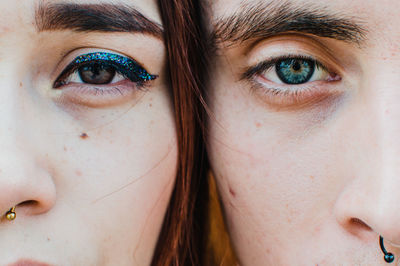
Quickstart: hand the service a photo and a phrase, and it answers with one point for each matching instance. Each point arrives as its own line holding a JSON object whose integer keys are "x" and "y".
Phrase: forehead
{"x": 360, "y": 6}
{"x": 380, "y": 18}
{"x": 17, "y": 14}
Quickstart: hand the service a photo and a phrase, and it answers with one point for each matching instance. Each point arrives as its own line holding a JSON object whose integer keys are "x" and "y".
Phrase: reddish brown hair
{"x": 182, "y": 237}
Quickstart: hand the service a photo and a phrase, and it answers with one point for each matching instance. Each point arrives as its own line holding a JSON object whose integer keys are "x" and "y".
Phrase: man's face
{"x": 304, "y": 137}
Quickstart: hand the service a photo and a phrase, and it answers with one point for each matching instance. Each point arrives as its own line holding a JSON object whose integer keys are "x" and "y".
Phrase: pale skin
{"x": 313, "y": 179}
{"x": 90, "y": 174}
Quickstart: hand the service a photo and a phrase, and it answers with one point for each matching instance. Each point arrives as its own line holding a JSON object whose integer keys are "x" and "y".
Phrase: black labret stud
{"x": 389, "y": 257}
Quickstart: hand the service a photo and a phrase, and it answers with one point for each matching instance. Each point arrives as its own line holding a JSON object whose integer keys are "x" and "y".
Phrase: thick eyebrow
{"x": 93, "y": 17}
{"x": 277, "y": 17}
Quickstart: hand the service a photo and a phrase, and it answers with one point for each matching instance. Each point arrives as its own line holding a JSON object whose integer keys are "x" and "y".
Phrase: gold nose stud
{"x": 11, "y": 215}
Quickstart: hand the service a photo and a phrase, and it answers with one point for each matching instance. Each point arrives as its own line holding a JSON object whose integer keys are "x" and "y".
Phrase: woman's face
{"x": 88, "y": 143}
{"x": 304, "y": 138}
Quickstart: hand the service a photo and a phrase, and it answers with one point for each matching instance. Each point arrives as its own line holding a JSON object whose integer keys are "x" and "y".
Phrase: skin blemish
{"x": 258, "y": 124}
{"x": 65, "y": 148}
{"x": 311, "y": 177}
{"x": 232, "y": 192}
{"x": 78, "y": 173}
{"x": 84, "y": 136}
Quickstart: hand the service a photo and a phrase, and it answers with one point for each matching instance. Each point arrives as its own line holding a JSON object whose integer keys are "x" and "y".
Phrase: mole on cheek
{"x": 84, "y": 136}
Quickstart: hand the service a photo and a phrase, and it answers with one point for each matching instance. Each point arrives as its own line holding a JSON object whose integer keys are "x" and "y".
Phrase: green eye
{"x": 295, "y": 71}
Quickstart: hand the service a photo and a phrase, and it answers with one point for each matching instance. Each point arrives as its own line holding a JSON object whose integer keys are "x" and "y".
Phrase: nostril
{"x": 359, "y": 228}
{"x": 28, "y": 207}
{"x": 355, "y": 222}
{"x": 28, "y": 203}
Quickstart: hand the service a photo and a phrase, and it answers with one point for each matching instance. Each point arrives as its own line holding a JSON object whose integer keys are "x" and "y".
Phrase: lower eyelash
{"x": 282, "y": 99}
{"x": 99, "y": 96}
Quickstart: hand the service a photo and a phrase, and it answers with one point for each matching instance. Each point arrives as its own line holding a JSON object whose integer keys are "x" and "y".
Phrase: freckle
{"x": 311, "y": 177}
{"x": 84, "y": 136}
{"x": 20, "y": 84}
{"x": 233, "y": 193}
{"x": 258, "y": 124}
{"x": 78, "y": 173}
{"x": 151, "y": 105}
{"x": 65, "y": 148}
{"x": 48, "y": 239}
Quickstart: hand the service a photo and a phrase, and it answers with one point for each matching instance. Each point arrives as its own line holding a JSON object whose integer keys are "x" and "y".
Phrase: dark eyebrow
{"x": 93, "y": 17}
{"x": 277, "y": 17}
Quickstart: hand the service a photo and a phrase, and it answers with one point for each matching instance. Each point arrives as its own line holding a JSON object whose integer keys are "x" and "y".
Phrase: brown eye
{"x": 97, "y": 73}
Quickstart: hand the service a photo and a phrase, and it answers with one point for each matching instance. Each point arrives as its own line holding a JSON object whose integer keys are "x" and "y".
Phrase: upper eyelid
{"x": 66, "y": 59}
{"x": 298, "y": 45}
{"x": 102, "y": 56}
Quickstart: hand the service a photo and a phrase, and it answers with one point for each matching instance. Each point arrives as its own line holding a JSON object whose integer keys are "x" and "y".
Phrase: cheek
{"x": 115, "y": 180}
{"x": 277, "y": 174}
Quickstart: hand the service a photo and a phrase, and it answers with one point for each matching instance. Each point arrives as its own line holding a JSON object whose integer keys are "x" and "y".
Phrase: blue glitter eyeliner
{"x": 125, "y": 66}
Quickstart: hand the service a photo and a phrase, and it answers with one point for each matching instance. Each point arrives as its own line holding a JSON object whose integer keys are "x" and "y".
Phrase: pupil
{"x": 295, "y": 71}
{"x": 296, "y": 66}
{"x": 97, "y": 73}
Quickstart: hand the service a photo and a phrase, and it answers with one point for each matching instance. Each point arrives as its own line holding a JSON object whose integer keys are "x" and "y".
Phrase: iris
{"x": 295, "y": 71}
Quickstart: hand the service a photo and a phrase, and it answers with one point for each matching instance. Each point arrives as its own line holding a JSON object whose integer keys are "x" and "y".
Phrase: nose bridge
{"x": 387, "y": 99}
{"x": 372, "y": 195}
{"x": 382, "y": 211}
{"x": 12, "y": 117}
{"x": 15, "y": 163}
{"x": 25, "y": 180}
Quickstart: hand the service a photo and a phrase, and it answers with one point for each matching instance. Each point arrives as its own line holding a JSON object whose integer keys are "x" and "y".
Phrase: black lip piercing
{"x": 389, "y": 257}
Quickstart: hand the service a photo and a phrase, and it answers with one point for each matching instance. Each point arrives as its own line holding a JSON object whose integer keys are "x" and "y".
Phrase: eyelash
{"x": 290, "y": 94}
{"x": 101, "y": 79}
{"x": 267, "y": 65}
{"x": 125, "y": 66}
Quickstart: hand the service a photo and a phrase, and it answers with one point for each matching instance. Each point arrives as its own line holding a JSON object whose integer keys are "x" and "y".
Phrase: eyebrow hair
{"x": 93, "y": 17}
{"x": 277, "y": 17}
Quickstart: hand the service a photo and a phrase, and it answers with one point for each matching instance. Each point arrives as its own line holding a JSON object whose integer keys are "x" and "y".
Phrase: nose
{"x": 25, "y": 179}
{"x": 24, "y": 183}
{"x": 369, "y": 204}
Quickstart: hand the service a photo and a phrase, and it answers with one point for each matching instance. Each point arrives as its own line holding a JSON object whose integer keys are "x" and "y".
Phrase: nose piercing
{"x": 11, "y": 215}
{"x": 389, "y": 257}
